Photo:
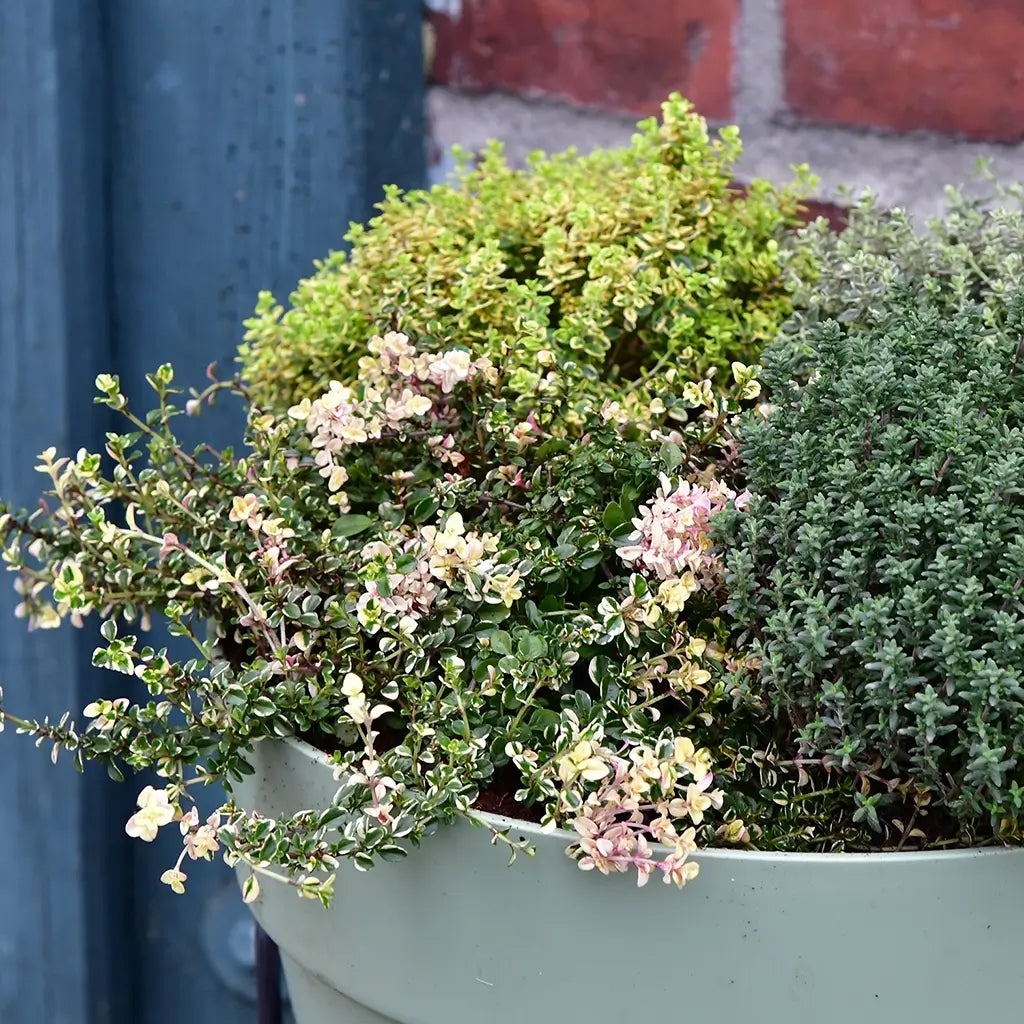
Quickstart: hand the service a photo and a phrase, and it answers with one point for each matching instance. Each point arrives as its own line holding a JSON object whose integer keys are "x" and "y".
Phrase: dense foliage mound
{"x": 431, "y": 575}
{"x": 509, "y": 532}
{"x": 619, "y": 263}
{"x": 880, "y": 565}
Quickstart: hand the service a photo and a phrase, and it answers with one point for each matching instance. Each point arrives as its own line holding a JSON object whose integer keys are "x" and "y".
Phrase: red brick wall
{"x": 621, "y": 55}
{"x": 951, "y": 66}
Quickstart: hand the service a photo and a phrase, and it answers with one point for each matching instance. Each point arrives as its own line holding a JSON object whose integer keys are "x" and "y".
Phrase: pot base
{"x": 315, "y": 1002}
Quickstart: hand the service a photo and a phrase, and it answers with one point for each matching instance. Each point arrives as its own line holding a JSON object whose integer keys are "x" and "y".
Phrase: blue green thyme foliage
{"x": 879, "y": 569}
{"x": 973, "y": 252}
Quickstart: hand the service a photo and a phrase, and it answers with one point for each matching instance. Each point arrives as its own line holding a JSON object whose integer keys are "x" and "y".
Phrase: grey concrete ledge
{"x": 904, "y": 170}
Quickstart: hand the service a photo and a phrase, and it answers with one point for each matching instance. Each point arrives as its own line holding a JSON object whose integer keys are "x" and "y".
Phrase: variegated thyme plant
{"x": 472, "y": 563}
{"x": 439, "y": 571}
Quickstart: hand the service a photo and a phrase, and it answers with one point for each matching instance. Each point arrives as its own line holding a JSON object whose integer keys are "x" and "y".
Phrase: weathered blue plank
{"x": 160, "y": 162}
{"x": 56, "y": 932}
{"x": 249, "y": 135}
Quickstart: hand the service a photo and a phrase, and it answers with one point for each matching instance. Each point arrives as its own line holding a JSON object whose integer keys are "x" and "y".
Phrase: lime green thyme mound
{"x": 619, "y": 263}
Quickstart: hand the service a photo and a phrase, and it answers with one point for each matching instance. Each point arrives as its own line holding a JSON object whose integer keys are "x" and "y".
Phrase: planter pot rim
{"x": 536, "y": 834}
{"x": 774, "y": 935}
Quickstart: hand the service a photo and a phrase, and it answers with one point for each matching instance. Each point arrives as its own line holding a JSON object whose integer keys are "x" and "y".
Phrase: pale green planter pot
{"x": 452, "y": 935}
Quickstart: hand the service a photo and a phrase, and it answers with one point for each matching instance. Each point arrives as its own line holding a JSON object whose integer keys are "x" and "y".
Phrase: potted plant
{"x": 490, "y": 567}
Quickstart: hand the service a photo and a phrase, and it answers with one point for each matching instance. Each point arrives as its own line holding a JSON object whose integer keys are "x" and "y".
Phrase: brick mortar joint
{"x": 758, "y": 56}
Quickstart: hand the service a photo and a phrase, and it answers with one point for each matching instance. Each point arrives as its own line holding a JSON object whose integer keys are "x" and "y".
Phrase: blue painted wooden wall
{"x": 160, "y": 162}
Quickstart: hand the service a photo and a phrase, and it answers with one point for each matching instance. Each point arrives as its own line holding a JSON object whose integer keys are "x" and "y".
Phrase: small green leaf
{"x": 424, "y": 509}
{"x": 405, "y": 563}
{"x": 613, "y": 516}
{"x": 350, "y": 525}
{"x": 671, "y": 456}
{"x": 493, "y": 613}
{"x": 501, "y": 642}
{"x": 250, "y": 889}
{"x": 263, "y": 707}
{"x": 531, "y": 647}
